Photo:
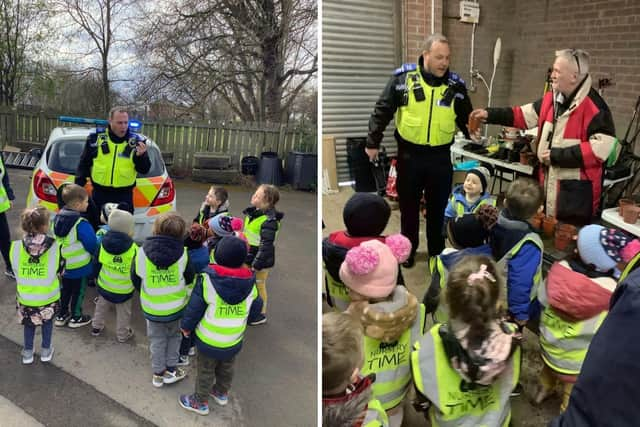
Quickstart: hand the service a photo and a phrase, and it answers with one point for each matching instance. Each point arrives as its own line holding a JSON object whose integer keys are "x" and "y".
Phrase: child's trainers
{"x": 191, "y": 403}
{"x": 80, "y": 321}
{"x": 96, "y": 331}
{"x": 192, "y": 351}
{"x": 220, "y": 398}
{"x": 10, "y": 274}
{"x": 61, "y": 319}
{"x": 183, "y": 360}
{"x": 261, "y": 319}
{"x": 46, "y": 354}
{"x": 27, "y": 357}
{"x": 174, "y": 376}
{"x": 128, "y": 337}
{"x": 158, "y": 380}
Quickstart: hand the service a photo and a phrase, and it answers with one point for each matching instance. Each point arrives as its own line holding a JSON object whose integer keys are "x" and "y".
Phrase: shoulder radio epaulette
{"x": 455, "y": 79}
{"x": 404, "y": 69}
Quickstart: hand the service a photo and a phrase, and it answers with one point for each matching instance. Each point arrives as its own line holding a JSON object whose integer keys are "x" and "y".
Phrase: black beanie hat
{"x": 366, "y": 214}
{"x": 230, "y": 252}
{"x": 466, "y": 231}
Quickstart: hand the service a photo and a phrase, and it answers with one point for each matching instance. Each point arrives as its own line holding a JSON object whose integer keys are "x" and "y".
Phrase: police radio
{"x": 418, "y": 91}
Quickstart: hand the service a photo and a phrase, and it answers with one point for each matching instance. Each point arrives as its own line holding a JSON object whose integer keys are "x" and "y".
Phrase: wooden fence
{"x": 28, "y": 129}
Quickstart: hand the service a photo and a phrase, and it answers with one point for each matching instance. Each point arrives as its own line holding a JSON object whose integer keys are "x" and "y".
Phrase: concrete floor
{"x": 524, "y": 414}
{"x": 95, "y": 381}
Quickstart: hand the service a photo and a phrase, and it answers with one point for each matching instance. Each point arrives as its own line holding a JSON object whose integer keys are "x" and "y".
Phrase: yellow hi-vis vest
{"x": 390, "y": 363}
{"x": 441, "y": 314}
{"x": 5, "y": 203}
{"x": 425, "y": 122}
{"x": 74, "y": 254}
{"x": 375, "y": 415}
{"x": 115, "y": 273}
{"x": 338, "y": 293}
{"x": 252, "y": 229}
{"x": 163, "y": 291}
{"x": 503, "y": 265}
{"x": 460, "y": 208}
{"x": 454, "y": 402}
{"x": 223, "y": 324}
{"x": 564, "y": 344}
{"x": 115, "y": 168}
{"x": 37, "y": 278}
{"x": 635, "y": 262}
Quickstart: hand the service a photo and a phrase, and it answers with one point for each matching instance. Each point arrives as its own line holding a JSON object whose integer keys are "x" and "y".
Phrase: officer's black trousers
{"x": 101, "y": 196}
{"x": 422, "y": 168}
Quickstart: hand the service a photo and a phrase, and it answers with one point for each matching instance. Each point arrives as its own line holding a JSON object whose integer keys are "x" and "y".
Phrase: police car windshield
{"x": 63, "y": 156}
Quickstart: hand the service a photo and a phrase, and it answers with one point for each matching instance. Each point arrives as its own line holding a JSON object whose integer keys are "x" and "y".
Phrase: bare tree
{"x": 256, "y": 55}
{"x": 104, "y": 25}
{"x": 22, "y": 27}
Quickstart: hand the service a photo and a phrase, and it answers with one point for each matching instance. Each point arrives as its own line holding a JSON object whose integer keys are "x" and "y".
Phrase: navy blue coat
{"x": 233, "y": 285}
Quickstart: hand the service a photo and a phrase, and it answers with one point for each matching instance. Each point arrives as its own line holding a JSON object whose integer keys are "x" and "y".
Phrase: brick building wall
{"x": 531, "y": 31}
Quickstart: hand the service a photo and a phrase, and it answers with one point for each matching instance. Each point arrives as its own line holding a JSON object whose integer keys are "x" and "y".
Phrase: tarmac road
{"x": 99, "y": 382}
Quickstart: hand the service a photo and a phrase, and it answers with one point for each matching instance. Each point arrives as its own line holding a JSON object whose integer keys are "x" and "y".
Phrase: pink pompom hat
{"x": 371, "y": 269}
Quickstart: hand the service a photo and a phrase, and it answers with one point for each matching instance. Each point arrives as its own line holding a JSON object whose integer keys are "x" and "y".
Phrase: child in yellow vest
{"x": 347, "y": 396}
{"x": 115, "y": 288}
{"x": 215, "y": 202}
{"x": 392, "y": 317}
{"x": 36, "y": 263}
{"x": 261, "y": 225}
{"x": 575, "y": 299}
{"x": 223, "y": 300}
{"x": 162, "y": 272}
{"x": 464, "y": 370}
{"x": 77, "y": 241}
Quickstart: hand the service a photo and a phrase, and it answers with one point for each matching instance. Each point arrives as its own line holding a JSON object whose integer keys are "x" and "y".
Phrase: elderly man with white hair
{"x": 575, "y": 137}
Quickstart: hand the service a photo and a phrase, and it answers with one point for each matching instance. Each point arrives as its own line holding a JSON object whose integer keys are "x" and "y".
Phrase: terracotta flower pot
{"x": 536, "y": 221}
{"x": 569, "y": 229}
{"x": 548, "y": 225}
{"x": 622, "y": 203}
{"x": 562, "y": 240}
{"x": 630, "y": 214}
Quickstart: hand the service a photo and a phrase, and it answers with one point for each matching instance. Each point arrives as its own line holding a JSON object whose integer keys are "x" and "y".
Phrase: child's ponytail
{"x": 472, "y": 293}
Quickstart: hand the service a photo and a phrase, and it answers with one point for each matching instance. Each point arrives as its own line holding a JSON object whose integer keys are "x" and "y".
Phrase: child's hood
{"x": 37, "y": 244}
{"x": 64, "y": 221}
{"x": 232, "y": 284}
{"x": 116, "y": 242}
{"x": 348, "y": 408}
{"x": 479, "y": 365}
{"x": 387, "y": 320}
{"x": 576, "y": 295}
{"x": 163, "y": 251}
{"x": 450, "y": 257}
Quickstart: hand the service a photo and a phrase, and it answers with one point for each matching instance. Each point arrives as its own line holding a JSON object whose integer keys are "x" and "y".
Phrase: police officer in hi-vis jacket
{"x": 428, "y": 101}
{"x": 112, "y": 158}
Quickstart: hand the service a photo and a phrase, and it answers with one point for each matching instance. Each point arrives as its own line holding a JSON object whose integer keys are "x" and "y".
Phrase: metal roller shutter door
{"x": 360, "y": 50}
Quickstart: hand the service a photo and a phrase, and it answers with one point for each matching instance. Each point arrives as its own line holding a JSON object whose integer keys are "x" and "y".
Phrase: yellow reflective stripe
{"x": 442, "y": 385}
{"x": 36, "y": 282}
{"x": 223, "y": 324}
{"x": 338, "y": 293}
{"x": 564, "y": 344}
{"x": 630, "y": 267}
{"x": 74, "y": 253}
{"x": 162, "y": 298}
{"x": 390, "y": 363}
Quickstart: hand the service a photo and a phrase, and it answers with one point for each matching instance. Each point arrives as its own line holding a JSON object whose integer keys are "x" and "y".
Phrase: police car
{"x": 153, "y": 194}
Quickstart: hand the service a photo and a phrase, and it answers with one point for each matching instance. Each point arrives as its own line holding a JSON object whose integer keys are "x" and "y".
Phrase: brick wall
{"x": 531, "y": 31}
